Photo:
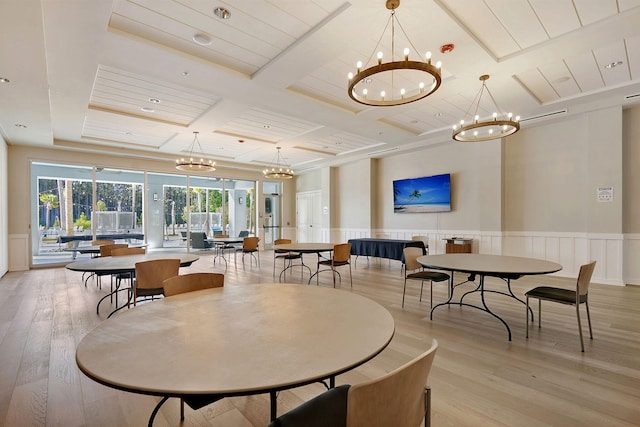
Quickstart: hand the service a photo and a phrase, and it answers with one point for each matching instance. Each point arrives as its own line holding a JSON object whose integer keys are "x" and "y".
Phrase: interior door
{"x": 308, "y": 217}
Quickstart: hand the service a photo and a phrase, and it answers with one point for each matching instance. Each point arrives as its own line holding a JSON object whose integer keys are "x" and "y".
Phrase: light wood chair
{"x": 189, "y": 283}
{"x": 566, "y": 296}
{"x": 192, "y": 282}
{"x": 249, "y": 246}
{"x": 150, "y": 276}
{"x": 285, "y": 256}
{"x": 399, "y": 398}
{"x": 425, "y": 240}
{"x": 415, "y": 271}
{"x": 341, "y": 256}
{"x": 102, "y": 242}
{"x": 221, "y": 247}
{"x": 105, "y": 251}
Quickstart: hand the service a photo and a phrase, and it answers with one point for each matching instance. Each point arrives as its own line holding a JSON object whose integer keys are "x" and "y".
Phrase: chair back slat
{"x": 584, "y": 278}
{"x": 105, "y": 250}
{"x": 411, "y": 255}
{"x": 395, "y": 399}
{"x": 192, "y": 282}
{"x": 342, "y": 252}
{"x": 151, "y": 274}
{"x": 128, "y": 251}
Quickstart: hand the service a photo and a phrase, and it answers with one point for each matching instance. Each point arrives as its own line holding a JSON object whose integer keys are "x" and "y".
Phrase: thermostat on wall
{"x": 605, "y": 194}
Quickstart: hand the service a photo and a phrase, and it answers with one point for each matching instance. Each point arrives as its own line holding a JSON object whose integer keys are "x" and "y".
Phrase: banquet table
{"x": 235, "y": 340}
{"x": 504, "y": 267}
{"x": 383, "y": 248}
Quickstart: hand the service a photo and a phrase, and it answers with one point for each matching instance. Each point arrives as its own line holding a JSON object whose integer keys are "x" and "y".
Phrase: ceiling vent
{"x": 637, "y": 95}
{"x": 543, "y": 116}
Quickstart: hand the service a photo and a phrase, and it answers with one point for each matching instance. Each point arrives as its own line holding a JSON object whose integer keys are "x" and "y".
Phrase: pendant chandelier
{"x": 278, "y": 170}
{"x": 499, "y": 126}
{"x": 192, "y": 164}
{"x": 383, "y": 84}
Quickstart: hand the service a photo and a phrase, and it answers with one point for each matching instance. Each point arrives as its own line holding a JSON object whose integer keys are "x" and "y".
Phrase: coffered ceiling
{"x": 143, "y": 75}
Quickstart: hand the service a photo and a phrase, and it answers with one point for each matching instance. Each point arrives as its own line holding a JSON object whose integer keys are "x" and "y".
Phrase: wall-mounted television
{"x": 425, "y": 194}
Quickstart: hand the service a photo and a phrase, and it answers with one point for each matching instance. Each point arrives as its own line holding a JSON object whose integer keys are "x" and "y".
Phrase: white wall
{"x": 4, "y": 211}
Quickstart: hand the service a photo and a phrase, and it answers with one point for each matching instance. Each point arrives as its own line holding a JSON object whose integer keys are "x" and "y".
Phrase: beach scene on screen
{"x": 424, "y": 194}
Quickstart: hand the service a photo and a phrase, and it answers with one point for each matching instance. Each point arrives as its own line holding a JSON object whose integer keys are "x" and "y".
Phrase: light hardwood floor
{"x": 479, "y": 378}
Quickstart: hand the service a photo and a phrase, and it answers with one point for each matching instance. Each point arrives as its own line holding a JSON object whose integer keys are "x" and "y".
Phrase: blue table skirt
{"x": 384, "y": 248}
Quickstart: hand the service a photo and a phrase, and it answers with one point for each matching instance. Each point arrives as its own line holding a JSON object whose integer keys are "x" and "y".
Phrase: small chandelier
{"x": 382, "y": 76}
{"x": 278, "y": 170}
{"x": 476, "y": 130}
{"x": 195, "y": 165}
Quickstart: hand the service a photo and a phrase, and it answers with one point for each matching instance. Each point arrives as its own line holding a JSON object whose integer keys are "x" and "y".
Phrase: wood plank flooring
{"x": 479, "y": 378}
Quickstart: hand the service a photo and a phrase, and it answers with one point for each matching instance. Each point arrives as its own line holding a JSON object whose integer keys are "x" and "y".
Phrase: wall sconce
{"x": 155, "y": 197}
{"x": 240, "y": 200}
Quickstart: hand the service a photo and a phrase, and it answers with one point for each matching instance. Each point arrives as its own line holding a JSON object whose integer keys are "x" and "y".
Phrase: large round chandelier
{"x": 383, "y": 84}
{"x": 195, "y": 164}
{"x": 473, "y": 129}
{"x": 278, "y": 170}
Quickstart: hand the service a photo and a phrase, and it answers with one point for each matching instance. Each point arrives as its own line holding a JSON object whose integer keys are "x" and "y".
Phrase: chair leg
{"x": 539, "y": 313}
{"x": 431, "y": 293}
{"x": 427, "y": 410}
{"x": 526, "y": 314}
{"x": 579, "y": 326}
{"x": 350, "y": 278}
{"x": 421, "y": 286}
{"x": 404, "y": 290}
{"x": 181, "y": 409}
{"x": 586, "y": 304}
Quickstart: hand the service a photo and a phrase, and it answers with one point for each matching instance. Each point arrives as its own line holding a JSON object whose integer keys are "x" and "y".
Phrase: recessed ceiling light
{"x": 147, "y": 109}
{"x": 266, "y": 126}
{"x": 222, "y": 13}
{"x": 154, "y": 100}
{"x": 437, "y": 114}
{"x": 202, "y": 39}
{"x": 413, "y": 121}
{"x": 21, "y": 126}
{"x": 613, "y": 64}
{"x": 4, "y": 80}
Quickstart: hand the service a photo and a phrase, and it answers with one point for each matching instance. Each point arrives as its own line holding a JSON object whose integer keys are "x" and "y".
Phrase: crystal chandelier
{"x": 194, "y": 164}
{"x": 381, "y": 85}
{"x": 476, "y": 130}
{"x": 279, "y": 170}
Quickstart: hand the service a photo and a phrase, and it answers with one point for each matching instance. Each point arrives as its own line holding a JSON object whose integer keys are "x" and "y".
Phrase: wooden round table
{"x": 235, "y": 340}
{"x": 504, "y": 267}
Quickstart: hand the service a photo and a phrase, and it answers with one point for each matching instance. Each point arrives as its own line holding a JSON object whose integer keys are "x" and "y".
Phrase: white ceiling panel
{"x": 611, "y": 54}
{"x": 558, "y": 17}
{"x": 591, "y": 11}
{"x": 585, "y": 72}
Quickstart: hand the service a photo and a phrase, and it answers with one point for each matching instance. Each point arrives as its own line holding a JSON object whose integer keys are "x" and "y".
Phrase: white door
{"x": 308, "y": 217}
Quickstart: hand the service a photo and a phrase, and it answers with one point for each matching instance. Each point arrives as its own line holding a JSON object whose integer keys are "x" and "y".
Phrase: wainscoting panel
{"x": 617, "y": 255}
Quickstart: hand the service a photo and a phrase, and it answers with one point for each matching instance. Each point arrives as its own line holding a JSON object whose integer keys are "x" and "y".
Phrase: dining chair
{"x": 188, "y": 283}
{"x": 150, "y": 275}
{"x": 398, "y": 398}
{"x": 565, "y": 296}
{"x": 125, "y": 276}
{"x": 249, "y": 246}
{"x": 105, "y": 251}
{"x": 341, "y": 256}
{"x": 425, "y": 240}
{"x": 284, "y": 255}
{"x": 415, "y": 271}
{"x": 191, "y": 282}
{"x": 102, "y": 242}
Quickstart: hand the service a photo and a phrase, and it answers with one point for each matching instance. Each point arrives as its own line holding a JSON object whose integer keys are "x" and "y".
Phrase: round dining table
{"x": 125, "y": 264}
{"x": 303, "y": 248}
{"x": 504, "y": 267}
{"x": 235, "y": 340}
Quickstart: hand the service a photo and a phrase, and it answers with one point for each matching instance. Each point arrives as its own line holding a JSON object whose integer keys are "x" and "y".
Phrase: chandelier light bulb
{"x": 428, "y": 56}
{"x": 365, "y": 92}
{"x": 509, "y": 115}
{"x": 439, "y": 64}
{"x": 350, "y": 76}
{"x": 495, "y": 116}
{"x": 476, "y": 118}
{"x": 402, "y": 92}
{"x": 382, "y": 94}
{"x": 517, "y": 118}
{"x": 379, "y": 58}
{"x": 358, "y": 66}
{"x": 406, "y": 53}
